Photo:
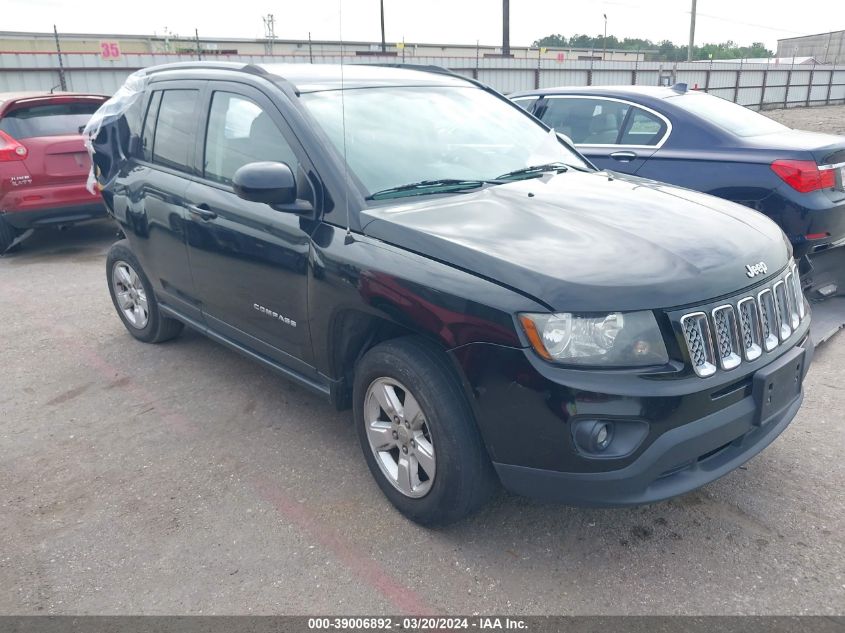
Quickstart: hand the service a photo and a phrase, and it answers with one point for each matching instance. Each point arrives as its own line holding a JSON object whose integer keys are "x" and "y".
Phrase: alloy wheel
{"x": 130, "y": 295}
{"x": 400, "y": 437}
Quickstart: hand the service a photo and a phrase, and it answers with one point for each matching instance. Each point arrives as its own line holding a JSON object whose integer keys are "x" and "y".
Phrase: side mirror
{"x": 565, "y": 139}
{"x": 268, "y": 182}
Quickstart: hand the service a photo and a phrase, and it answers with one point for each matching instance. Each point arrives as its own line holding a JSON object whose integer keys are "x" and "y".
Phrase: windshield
{"x": 401, "y": 135}
{"x": 729, "y": 116}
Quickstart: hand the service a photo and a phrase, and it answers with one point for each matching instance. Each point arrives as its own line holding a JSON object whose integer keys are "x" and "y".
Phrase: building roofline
{"x": 191, "y": 38}
{"x": 801, "y": 37}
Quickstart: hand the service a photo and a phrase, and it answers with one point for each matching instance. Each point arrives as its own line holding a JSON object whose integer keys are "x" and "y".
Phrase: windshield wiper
{"x": 535, "y": 170}
{"x": 423, "y": 187}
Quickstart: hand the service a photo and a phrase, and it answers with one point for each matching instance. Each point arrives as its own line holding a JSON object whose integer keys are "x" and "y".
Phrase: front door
{"x": 249, "y": 261}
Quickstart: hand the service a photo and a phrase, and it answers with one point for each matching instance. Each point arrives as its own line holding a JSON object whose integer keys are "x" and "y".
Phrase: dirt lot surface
{"x": 830, "y": 119}
{"x": 184, "y": 479}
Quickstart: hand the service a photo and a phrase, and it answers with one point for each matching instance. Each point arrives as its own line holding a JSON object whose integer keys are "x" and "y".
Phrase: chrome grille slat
{"x": 726, "y": 334}
{"x": 699, "y": 344}
{"x": 792, "y": 300}
{"x": 743, "y": 328}
{"x": 798, "y": 293}
{"x": 782, "y": 304}
{"x": 749, "y": 320}
{"x": 768, "y": 319}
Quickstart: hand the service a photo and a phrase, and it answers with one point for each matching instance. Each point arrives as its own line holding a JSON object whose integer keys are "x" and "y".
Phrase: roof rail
{"x": 429, "y": 68}
{"x": 199, "y": 65}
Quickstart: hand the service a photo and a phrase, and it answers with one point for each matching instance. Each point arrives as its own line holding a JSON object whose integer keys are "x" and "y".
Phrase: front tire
{"x": 418, "y": 433}
{"x": 134, "y": 299}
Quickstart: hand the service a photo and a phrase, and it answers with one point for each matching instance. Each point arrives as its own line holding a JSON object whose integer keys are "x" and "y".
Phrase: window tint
{"x": 727, "y": 115}
{"x": 150, "y": 126}
{"x": 52, "y": 119}
{"x": 643, "y": 128}
{"x": 526, "y": 103}
{"x": 240, "y": 132}
{"x": 586, "y": 121}
{"x": 174, "y": 131}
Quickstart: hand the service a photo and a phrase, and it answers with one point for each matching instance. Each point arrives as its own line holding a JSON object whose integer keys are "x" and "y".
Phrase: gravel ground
{"x": 184, "y": 479}
{"x": 830, "y": 119}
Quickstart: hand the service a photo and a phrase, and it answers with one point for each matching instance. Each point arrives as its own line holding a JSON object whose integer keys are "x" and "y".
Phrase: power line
{"x": 759, "y": 26}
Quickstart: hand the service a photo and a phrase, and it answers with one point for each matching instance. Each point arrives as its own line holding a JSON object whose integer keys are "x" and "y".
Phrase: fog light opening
{"x": 828, "y": 290}
{"x": 602, "y": 436}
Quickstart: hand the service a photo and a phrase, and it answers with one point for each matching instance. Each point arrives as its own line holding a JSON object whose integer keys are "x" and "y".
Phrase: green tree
{"x": 665, "y": 50}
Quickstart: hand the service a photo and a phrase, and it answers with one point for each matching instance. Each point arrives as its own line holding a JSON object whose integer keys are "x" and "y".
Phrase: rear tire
{"x": 134, "y": 299}
{"x": 439, "y": 434}
{"x": 7, "y": 235}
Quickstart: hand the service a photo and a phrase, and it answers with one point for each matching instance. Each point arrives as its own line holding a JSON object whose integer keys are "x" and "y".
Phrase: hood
{"x": 583, "y": 242}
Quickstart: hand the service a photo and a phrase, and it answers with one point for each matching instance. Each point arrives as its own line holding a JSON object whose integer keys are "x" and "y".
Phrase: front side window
{"x": 240, "y": 132}
{"x": 174, "y": 130}
{"x": 399, "y": 135}
{"x": 586, "y": 121}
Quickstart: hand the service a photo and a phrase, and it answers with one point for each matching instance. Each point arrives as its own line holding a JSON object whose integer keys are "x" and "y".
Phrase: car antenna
{"x": 348, "y": 239}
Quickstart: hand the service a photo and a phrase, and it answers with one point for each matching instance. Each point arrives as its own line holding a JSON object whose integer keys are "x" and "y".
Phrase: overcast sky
{"x": 435, "y": 21}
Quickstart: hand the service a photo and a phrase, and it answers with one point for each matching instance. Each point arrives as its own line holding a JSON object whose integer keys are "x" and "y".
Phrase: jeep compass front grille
{"x": 741, "y": 329}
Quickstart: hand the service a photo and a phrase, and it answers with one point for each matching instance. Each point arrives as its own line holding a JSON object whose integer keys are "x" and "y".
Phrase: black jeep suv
{"x": 411, "y": 244}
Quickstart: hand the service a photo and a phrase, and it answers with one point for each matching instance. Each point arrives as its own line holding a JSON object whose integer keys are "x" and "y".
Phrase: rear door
{"x": 613, "y": 133}
{"x": 249, "y": 261}
{"x": 152, "y": 193}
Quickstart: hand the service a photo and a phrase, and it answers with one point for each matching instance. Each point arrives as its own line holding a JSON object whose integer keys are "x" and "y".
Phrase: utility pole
{"x": 604, "y": 52}
{"x": 477, "y": 53}
{"x": 269, "y": 32}
{"x": 310, "y": 49}
{"x": 383, "y": 43}
{"x": 197, "y": 37}
{"x": 691, "y": 32}
{"x": 62, "y": 81}
{"x": 506, "y": 28}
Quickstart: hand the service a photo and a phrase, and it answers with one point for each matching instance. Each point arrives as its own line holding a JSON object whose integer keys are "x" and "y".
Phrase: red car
{"x": 43, "y": 162}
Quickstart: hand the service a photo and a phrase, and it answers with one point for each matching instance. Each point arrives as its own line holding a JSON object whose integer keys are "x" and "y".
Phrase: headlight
{"x": 629, "y": 339}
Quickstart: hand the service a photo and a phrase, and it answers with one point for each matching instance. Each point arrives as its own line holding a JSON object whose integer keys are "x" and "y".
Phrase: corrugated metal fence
{"x": 753, "y": 85}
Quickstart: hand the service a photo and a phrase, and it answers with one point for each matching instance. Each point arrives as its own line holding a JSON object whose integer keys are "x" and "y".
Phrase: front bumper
{"x": 694, "y": 438}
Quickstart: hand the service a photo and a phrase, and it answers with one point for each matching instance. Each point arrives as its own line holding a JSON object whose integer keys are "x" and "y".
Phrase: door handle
{"x": 623, "y": 157}
{"x": 201, "y": 211}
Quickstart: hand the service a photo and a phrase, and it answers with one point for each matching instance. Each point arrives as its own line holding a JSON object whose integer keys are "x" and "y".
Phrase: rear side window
{"x": 586, "y": 121}
{"x": 643, "y": 128}
{"x": 150, "y": 126}
{"x": 174, "y": 130}
{"x": 52, "y": 119}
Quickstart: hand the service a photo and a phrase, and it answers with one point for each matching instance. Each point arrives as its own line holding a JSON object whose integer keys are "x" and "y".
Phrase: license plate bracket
{"x": 778, "y": 385}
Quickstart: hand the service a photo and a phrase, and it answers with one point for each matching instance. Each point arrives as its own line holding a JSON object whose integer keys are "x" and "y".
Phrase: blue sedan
{"x": 702, "y": 142}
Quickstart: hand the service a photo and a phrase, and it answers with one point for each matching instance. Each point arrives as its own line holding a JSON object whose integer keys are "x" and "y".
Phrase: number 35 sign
{"x": 109, "y": 50}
